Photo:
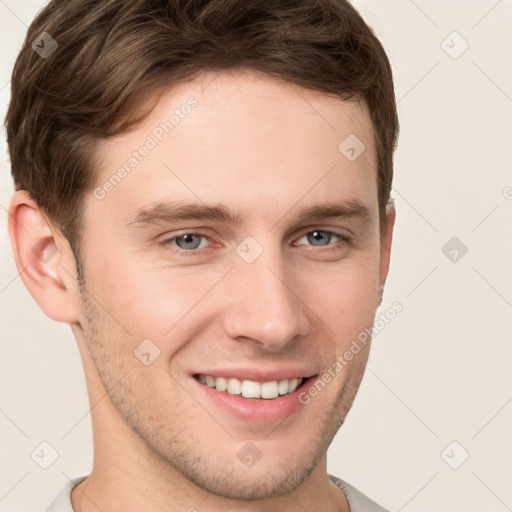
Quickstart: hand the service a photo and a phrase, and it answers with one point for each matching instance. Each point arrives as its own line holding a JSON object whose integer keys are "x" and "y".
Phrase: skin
{"x": 266, "y": 149}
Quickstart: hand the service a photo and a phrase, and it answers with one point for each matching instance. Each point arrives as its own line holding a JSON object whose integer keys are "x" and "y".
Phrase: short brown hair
{"x": 63, "y": 105}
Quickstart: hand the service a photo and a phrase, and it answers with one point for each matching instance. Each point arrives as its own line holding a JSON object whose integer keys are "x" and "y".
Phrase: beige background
{"x": 439, "y": 372}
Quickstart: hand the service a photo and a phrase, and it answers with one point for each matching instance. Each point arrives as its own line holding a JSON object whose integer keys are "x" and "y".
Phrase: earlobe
{"x": 43, "y": 258}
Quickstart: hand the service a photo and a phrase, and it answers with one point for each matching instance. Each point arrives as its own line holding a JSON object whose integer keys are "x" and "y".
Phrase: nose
{"x": 264, "y": 304}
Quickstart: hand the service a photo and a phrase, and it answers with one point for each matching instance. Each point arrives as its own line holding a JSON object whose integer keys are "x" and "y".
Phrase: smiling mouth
{"x": 252, "y": 389}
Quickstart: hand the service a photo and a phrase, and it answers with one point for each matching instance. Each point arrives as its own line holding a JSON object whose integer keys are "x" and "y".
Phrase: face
{"x": 241, "y": 248}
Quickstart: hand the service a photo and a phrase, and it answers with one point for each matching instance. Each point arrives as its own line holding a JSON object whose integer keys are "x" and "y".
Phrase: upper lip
{"x": 257, "y": 374}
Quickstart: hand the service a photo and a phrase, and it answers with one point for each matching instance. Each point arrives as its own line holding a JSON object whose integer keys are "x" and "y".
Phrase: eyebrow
{"x": 172, "y": 211}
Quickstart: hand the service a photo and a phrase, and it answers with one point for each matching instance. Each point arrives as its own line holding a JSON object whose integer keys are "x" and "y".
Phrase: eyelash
{"x": 168, "y": 242}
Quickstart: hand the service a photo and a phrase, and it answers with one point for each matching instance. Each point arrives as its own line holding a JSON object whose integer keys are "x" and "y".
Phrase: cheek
{"x": 349, "y": 303}
{"x": 151, "y": 301}
{"x": 351, "y": 286}
{"x": 156, "y": 301}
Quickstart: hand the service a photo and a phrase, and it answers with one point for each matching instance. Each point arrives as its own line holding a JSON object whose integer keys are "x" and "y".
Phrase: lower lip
{"x": 256, "y": 410}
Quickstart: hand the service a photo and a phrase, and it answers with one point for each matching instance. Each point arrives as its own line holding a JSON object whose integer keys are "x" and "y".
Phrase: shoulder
{"x": 357, "y": 500}
{"x": 62, "y": 502}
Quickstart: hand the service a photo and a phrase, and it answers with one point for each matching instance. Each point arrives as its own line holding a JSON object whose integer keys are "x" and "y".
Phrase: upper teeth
{"x": 250, "y": 388}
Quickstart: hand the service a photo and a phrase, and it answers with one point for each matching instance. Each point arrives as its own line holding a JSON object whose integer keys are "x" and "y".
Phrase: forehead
{"x": 242, "y": 138}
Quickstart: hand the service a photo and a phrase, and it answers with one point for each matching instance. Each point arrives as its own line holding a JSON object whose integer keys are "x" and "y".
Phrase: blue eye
{"x": 323, "y": 237}
{"x": 188, "y": 241}
{"x": 191, "y": 243}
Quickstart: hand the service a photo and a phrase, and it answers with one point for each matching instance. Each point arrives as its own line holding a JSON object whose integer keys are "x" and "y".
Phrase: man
{"x": 202, "y": 193}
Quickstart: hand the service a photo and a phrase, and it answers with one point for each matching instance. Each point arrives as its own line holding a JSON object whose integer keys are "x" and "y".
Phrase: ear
{"x": 385, "y": 246}
{"x": 44, "y": 259}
